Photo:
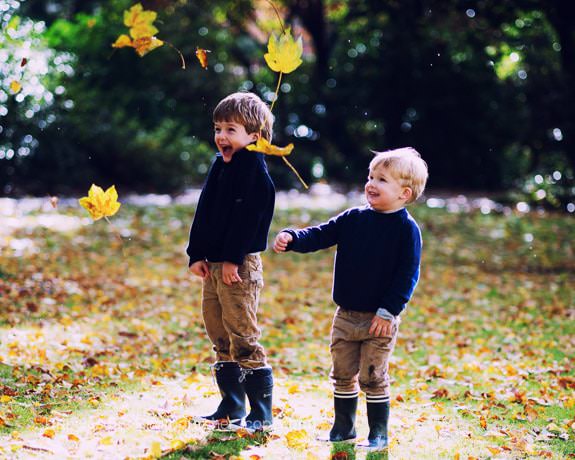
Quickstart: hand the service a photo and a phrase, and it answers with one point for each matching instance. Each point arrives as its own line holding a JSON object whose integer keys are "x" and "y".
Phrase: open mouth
{"x": 226, "y": 149}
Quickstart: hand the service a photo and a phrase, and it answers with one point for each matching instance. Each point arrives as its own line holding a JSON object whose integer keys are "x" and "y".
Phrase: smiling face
{"x": 383, "y": 192}
{"x": 230, "y": 137}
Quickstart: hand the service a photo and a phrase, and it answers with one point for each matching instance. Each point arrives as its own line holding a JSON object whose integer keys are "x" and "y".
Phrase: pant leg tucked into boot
{"x": 233, "y": 405}
{"x": 345, "y": 407}
{"x": 377, "y": 418}
{"x": 258, "y": 384}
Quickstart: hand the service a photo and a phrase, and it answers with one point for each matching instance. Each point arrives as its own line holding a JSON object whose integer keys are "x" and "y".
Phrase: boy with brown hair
{"x": 376, "y": 271}
{"x": 230, "y": 228}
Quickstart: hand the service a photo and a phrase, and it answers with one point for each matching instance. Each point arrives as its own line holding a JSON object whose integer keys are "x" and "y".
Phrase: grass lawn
{"x": 103, "y": 346}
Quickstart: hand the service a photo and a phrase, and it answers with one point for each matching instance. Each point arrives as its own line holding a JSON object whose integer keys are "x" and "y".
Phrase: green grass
{"x": 225, "y": 444}
{"x": 490, "y": 314}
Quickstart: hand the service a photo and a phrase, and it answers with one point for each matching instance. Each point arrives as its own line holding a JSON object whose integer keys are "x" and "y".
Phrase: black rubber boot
{"x": 233, "y": 404}
{"x": 343, "y": 429}
{"x": 258, "y": 384}
{"x": 377, "y": 418}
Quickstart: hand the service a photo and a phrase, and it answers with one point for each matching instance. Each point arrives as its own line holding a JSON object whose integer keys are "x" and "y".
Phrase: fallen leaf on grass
{"x": 297, "y": 439}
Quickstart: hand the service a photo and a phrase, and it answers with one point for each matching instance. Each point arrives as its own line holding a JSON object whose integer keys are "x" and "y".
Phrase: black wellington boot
{"x": 343, "y": 429}
{"x": 258, "y": 385}
{"x": 377, "y": 418}
{"x": 233, "y": 404}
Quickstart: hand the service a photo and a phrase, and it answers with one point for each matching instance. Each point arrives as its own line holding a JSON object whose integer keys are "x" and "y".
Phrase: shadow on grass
{"x": 347, "y": 451}
{"x": 220, "y": 445}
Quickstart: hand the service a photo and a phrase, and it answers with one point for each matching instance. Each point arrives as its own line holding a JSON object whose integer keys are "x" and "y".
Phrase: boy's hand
{"x": 200, "y": 268}
{"x": 281, "y": 241}
{"x": 230, "y": 273}
{"x": 380, "y": 327}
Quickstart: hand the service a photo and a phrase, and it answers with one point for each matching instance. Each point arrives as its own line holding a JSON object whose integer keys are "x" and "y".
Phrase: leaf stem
{"x": 278, "y": 15}
{"x": 276, "y": 95}
{"x": 117, "y": 233}
{"x": 295, "y": 172}
{"x": 179, "y": 52}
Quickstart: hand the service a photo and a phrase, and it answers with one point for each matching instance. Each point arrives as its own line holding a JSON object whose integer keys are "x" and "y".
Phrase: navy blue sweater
{"x": 234, "y": 211}
{"x": 377, "y": 258}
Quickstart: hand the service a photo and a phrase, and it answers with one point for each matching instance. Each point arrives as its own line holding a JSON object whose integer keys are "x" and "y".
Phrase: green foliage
{"x": 481, "y": 92}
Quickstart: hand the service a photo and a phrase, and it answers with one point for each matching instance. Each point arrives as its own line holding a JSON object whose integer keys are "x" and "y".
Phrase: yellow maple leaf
{"x": 15, "y": 86}
{"x": 297, "y": 439}
{"x": 73, "y": 437}
{"x": 155, "y": 450}
{"x": 284, "y": 53}
{"x": 143, "y": 30}
{"x": 262, "y": 145}
{"x": 99, "y": 203}
{"x": 146, "y": 44}
{"x": 5, "y": 399}
{"x": 137, "y": 16}
{"x": 122, "y": 41}
{"x": 49, "y": 433}
{"x": 293, "y": 389}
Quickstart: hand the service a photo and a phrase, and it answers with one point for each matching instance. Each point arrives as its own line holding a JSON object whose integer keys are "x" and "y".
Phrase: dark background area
{"x": 484, "y": 89}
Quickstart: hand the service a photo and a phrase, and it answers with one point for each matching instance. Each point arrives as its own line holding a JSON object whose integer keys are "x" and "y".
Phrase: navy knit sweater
{"x": 377, "y": 258}
{"x": 234, "y": 211}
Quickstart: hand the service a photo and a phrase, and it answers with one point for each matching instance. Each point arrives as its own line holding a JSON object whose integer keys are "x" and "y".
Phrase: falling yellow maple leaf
{"x": 99, "y": 203}
{"x": 141, "y": 31}
{"x": 264, "y": 146}
{"x": 284, "y": 53}
{"x": 144, "y": 45}
{"x": 138, "y": 18}
{"x": 15, "y": 86}
{"x": 49, "y": 433}
{"x": 202, "y": 56}
{"x": 122, "y": 41}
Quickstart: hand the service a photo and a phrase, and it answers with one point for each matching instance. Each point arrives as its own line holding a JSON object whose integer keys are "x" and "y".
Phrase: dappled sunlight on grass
{"x": 483, "y": 364}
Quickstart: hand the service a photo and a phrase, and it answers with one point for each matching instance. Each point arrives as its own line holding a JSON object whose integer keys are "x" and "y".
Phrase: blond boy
{"x": 376, "y": 271}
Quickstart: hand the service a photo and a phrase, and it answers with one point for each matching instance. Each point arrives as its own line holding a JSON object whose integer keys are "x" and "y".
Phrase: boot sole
{"x": 366, "y": 447}
{"x": 326, "y": 439}
{"x": 239, "y": 426}
{"x": 215, "y": 423}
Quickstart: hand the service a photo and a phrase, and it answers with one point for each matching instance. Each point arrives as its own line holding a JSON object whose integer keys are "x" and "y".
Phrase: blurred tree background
{"x": 484, "y": 89}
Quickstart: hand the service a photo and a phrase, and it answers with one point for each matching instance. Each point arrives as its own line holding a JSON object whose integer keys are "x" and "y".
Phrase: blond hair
{"x": 248, "y": 110}
{"x": 406, "y": 166}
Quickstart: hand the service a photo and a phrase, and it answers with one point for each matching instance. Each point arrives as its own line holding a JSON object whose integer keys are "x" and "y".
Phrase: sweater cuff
{"x": 294, "y": 238}
{"x": 383, "y": 313}
{"x": 193, "y": 260}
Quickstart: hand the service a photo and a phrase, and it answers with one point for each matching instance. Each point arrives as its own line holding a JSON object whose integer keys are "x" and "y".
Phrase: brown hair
{"x": 248, "y": 110}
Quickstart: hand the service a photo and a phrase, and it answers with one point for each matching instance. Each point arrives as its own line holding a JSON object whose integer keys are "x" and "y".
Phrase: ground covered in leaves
{"x": 103, "y": 352}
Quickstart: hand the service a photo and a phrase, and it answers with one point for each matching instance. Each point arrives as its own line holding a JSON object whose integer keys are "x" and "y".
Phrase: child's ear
{"x": 406, "y": 194}
{"x": 255, "y": 136}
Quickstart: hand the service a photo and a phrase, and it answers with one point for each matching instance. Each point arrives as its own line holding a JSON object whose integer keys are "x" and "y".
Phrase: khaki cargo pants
{"x": 358, "y": 356}
{"x": 229, "y": 313}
